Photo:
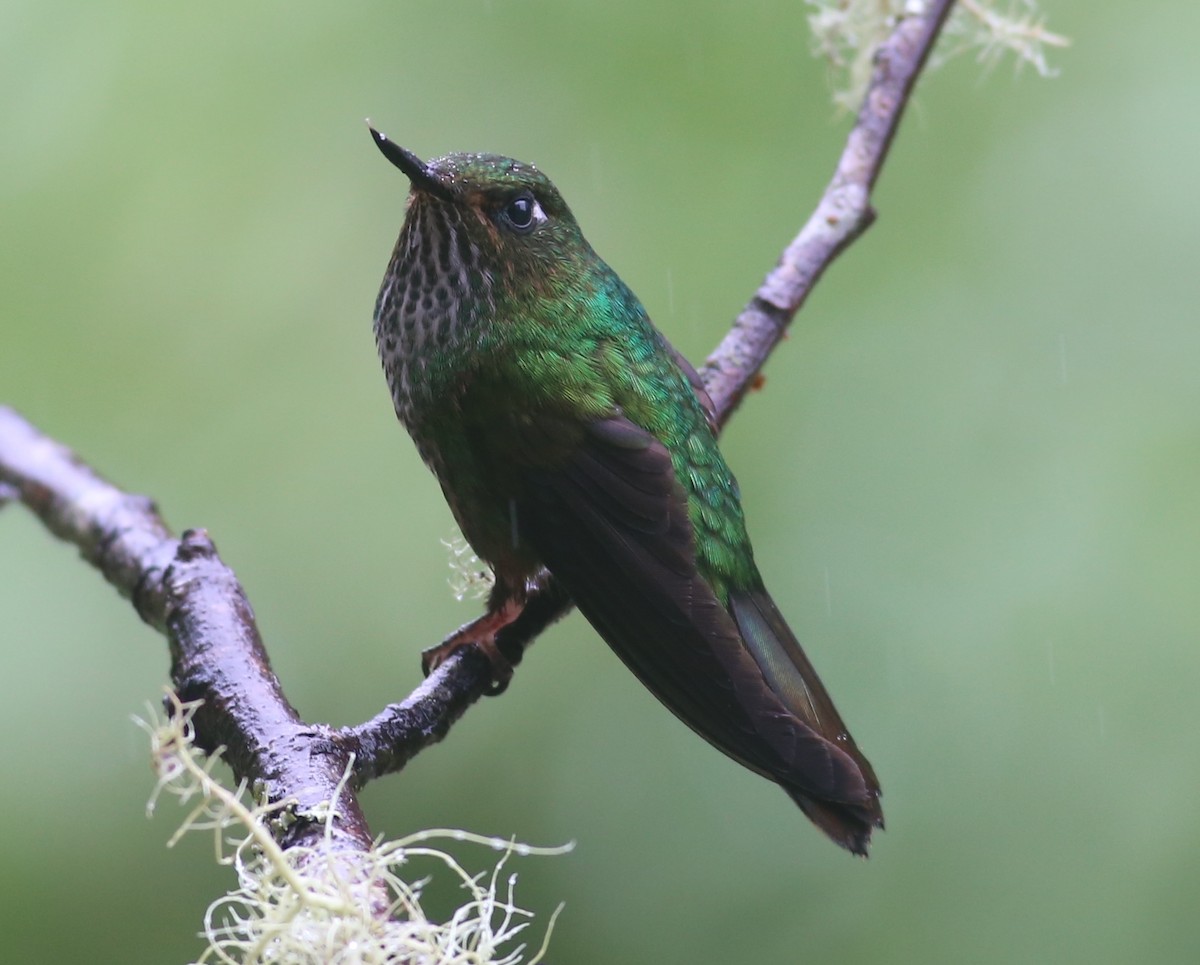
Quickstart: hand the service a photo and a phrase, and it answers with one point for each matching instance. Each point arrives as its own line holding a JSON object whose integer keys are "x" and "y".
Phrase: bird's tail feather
{"x": 824, "y": 772}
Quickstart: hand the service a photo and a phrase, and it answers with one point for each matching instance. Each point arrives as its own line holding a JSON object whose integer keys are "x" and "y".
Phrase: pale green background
{"x": 973, "y": 479}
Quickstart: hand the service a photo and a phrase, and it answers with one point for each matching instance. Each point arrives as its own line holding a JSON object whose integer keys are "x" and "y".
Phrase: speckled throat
{"x": 433, "y": 295}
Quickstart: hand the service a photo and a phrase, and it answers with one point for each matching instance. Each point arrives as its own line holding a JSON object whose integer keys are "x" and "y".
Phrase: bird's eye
{"x": 521, "y": 212}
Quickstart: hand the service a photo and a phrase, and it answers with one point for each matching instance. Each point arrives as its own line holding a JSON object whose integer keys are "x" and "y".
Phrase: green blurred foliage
{"x": 972, "y": 478}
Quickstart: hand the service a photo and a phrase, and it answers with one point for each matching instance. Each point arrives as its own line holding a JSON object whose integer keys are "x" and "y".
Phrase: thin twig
{"x": 843, "y": 213}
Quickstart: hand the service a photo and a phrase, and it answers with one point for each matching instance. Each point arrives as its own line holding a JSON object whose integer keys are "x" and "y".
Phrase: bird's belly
{"x": 484, "y": 507}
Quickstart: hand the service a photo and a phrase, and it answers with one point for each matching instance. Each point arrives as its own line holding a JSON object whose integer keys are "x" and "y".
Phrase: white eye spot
{"x": 524, "y": 212}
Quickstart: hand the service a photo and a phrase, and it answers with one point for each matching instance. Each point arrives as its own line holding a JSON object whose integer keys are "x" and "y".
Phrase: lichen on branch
{"x": 299, "y": 905}
{"x": 847, "y": 33}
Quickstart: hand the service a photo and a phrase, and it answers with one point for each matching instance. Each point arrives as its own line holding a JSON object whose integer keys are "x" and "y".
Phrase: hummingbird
{"x": 569, "y": 436}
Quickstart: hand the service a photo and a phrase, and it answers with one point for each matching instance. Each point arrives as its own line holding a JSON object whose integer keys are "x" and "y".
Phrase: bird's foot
{"x": 480, "y": 633}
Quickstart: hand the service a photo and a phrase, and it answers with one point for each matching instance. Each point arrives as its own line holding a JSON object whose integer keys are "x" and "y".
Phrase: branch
{"x": 843, "y": 213}
{"x": 181, "y": 587}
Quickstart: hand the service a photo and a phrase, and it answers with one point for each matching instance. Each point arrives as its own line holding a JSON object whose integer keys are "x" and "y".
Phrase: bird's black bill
{"x": 413, "y": 167}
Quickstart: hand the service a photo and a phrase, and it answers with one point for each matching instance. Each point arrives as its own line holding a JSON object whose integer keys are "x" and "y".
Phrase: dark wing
{"x": 610, "y": 521}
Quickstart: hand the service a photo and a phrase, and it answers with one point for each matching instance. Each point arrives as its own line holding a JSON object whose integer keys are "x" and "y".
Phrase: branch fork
{"x": 181, "y": 587}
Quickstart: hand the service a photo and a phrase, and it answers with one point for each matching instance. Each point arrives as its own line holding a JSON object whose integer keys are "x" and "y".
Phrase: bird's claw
{"x": 480, "y": 633}
{"x": 502, "y": 669}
